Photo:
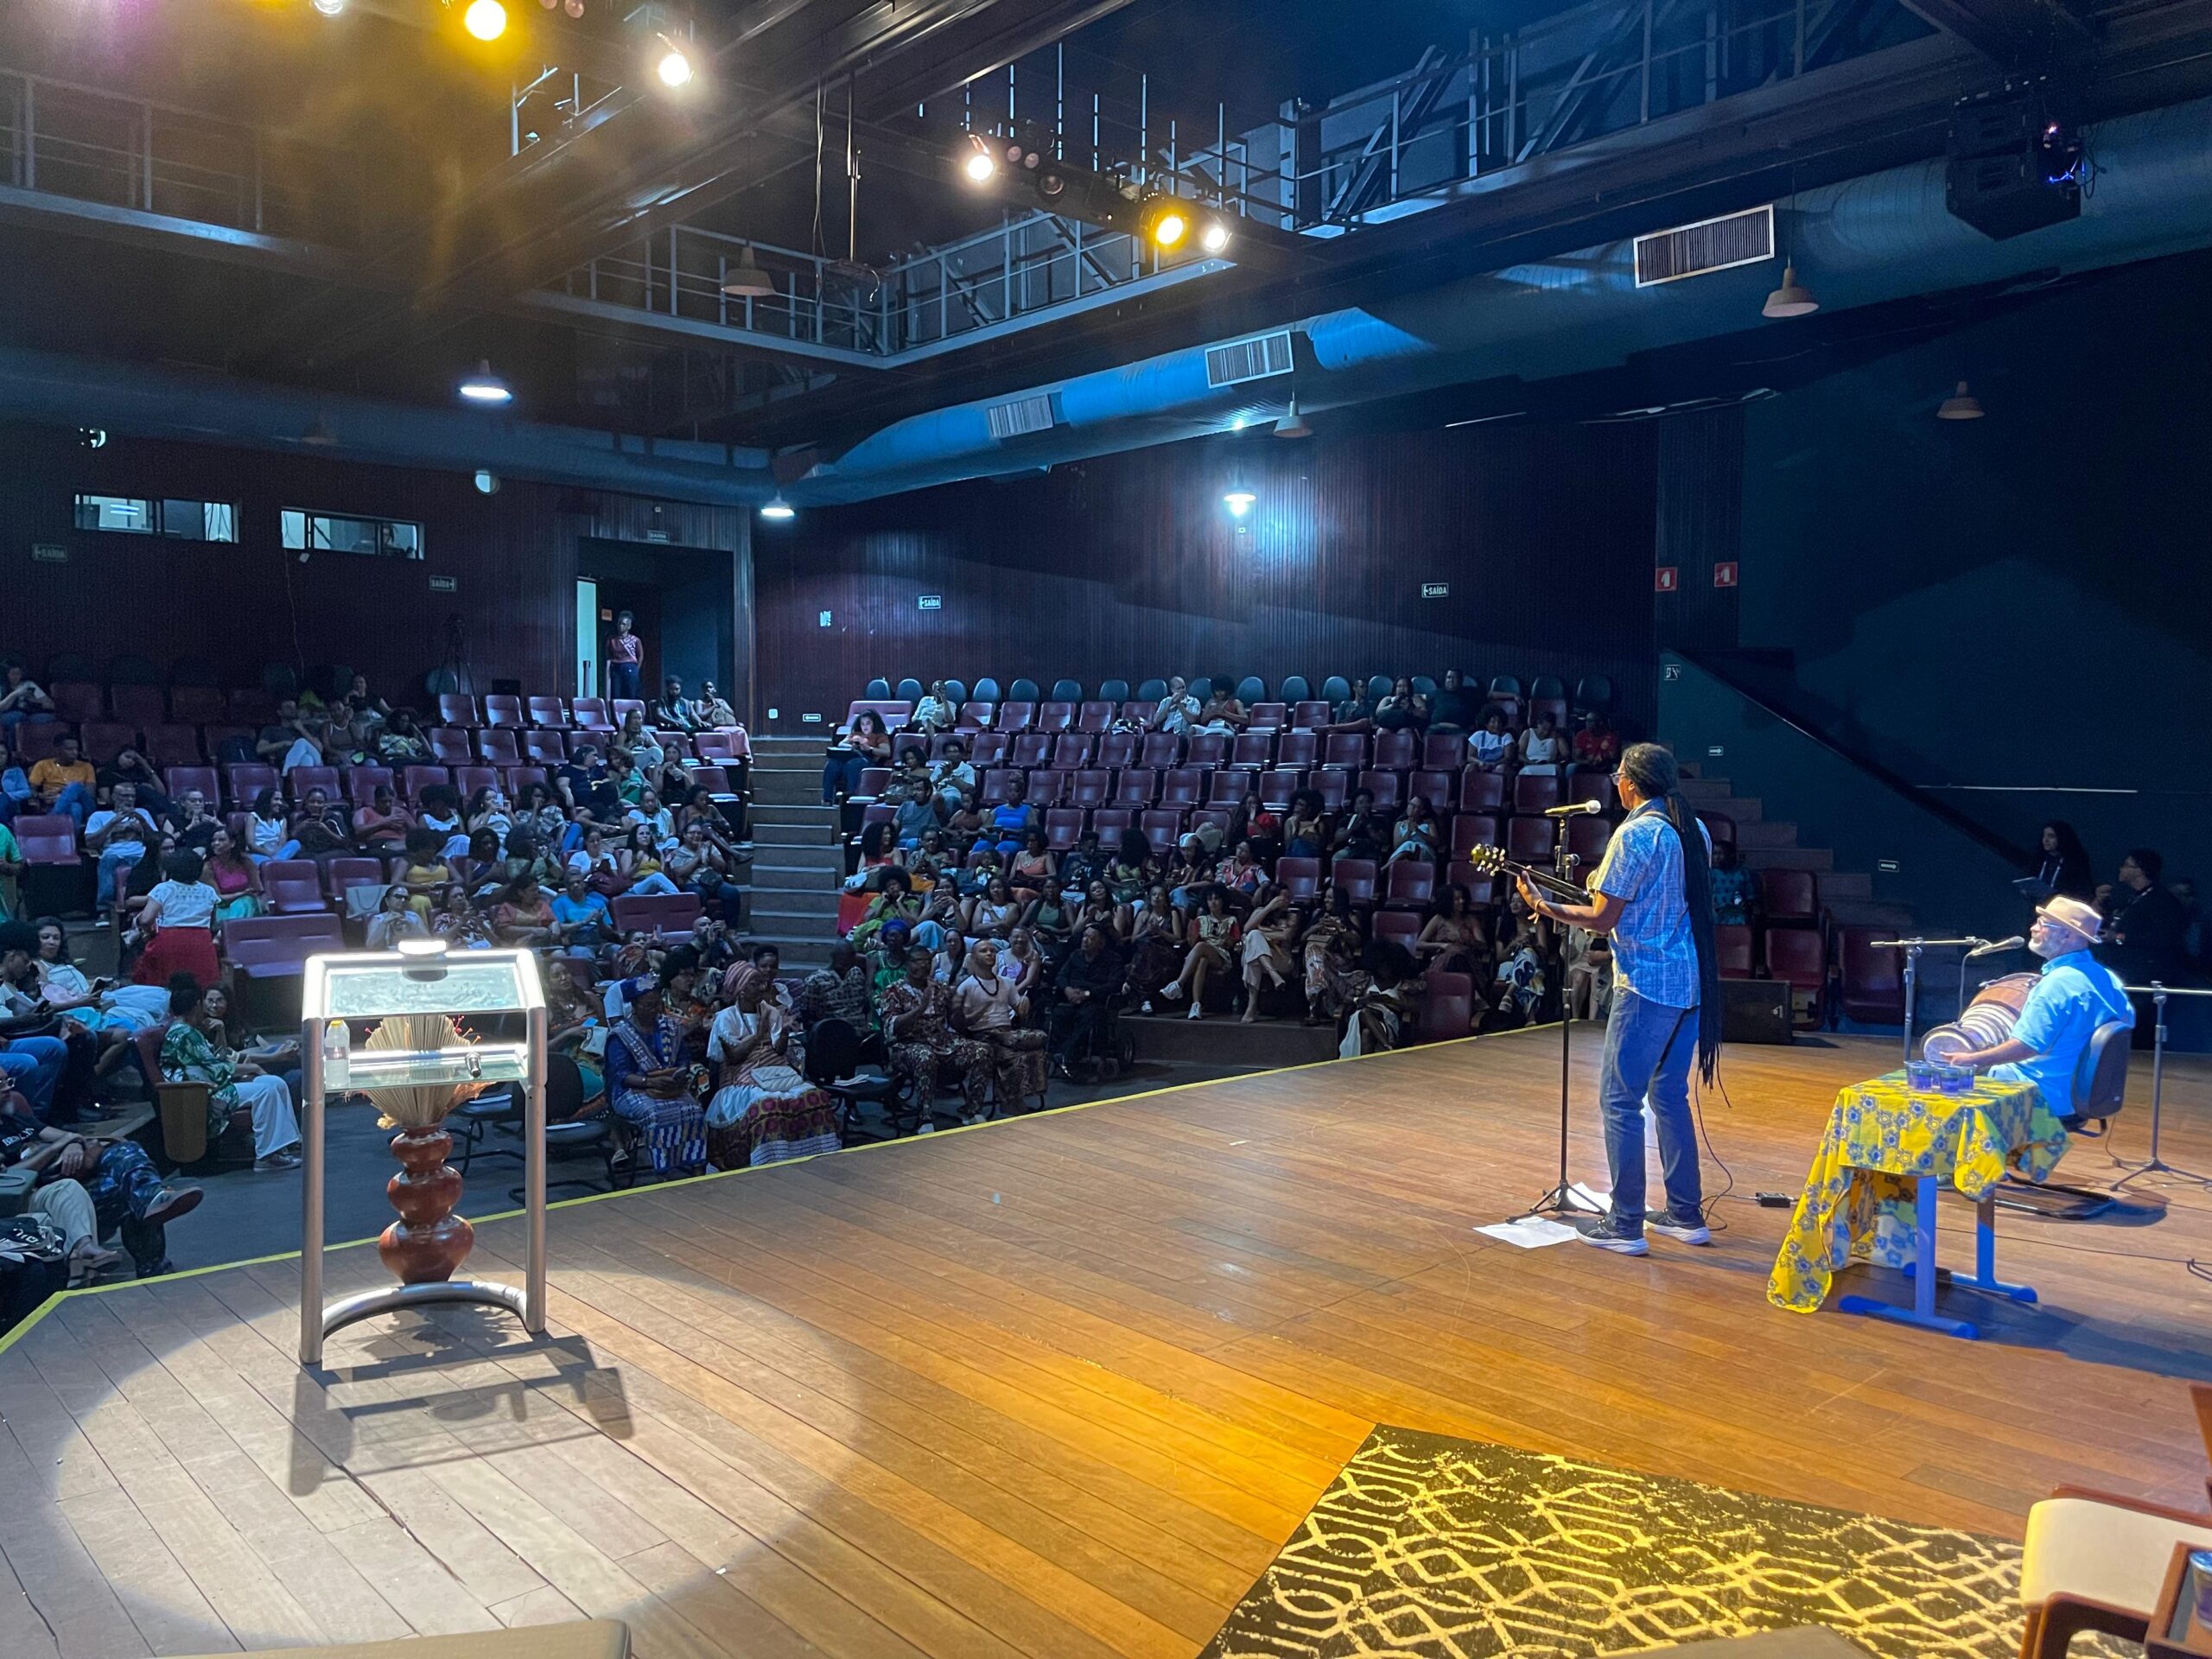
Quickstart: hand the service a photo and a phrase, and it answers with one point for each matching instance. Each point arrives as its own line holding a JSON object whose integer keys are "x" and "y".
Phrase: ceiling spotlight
{"x": 748, "y": 281}
{"x": 1292, "y": 425}
{"x": 1238, "y": 501}
{"x": 673, "y": 68}
{"x": 979, "y": 165}
{"x": 330, "y": 8}
{"x": 1961, "y": 405}
{"x": 778, "y": 509}
{"x": 574, "y": 8}
{"x": 486, "y": 19}
{"x": 487, "y": 482}
{"x": 481, "y": 385}
{"x": 1790, "y": 299}
{"x": 1164, "y": 222}
{"x": 1214, "y": 238}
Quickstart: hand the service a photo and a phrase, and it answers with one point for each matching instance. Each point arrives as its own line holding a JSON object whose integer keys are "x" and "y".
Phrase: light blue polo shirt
{"x": 2073, "y": 996}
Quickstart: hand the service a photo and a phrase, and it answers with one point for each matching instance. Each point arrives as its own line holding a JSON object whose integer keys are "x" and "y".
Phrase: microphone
{"x": 1574, "y": 811}
{"x": 1994, "y": 946}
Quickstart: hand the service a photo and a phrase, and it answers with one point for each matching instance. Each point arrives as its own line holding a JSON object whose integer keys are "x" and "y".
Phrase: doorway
{"x": 587, "y": 637}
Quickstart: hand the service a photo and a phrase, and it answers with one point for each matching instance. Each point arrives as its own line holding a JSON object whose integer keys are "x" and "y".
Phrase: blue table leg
{"x": 1921, "y": 1271}
{"x": 1985, "y": 1257}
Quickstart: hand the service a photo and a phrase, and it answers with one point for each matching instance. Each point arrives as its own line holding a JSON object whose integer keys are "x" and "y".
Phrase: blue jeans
{"x": 621, "y": 680}
{"x": 840, "y": 773}
{"x": 1649, "y": 1048}
{"x": 76, "y": 802}
{"x": 32, "y": 1066}
{"x": 113, "y": 863}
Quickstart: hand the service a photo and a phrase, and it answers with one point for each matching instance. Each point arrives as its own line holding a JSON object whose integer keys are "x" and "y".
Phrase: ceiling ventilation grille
{"x": 1249, "y": 359}
{"x": 1711, "y": 245}
{"x": 1021, "y": 416}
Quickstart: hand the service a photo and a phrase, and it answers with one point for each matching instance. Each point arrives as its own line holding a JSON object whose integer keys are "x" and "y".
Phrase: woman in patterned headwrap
{"x": 652, "y": 1086}
{"x": 918, "y": 1029}
{"x": 764, "y": 1112}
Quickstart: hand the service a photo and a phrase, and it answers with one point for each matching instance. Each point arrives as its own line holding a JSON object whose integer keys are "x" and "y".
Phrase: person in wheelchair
{"x": 2075, "y": 995}
{"x": 1089, "y": 985}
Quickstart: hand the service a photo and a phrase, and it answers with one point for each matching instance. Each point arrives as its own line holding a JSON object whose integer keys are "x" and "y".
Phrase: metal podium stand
{"x": 466, "y": 984}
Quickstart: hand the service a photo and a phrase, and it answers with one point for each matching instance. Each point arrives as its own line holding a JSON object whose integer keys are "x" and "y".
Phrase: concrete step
{"x": 796, "y": 901}
{"x": 1847, "y": 884}
{"x": 787, "y": 789}
{"x": 1787, "y": 858}
{"x": 1738, "y": 808}
{"x": 766, "y": 836}
{"x": 1766, "y": 832}
{"x": 795, "y": 813}
{"x": 799, "y": 923}
{"x": 1702, "y": 789}
{"x": 797, "y": 950}
{"x": 1220, "y": 1039}
{"x": 822, "y": 858}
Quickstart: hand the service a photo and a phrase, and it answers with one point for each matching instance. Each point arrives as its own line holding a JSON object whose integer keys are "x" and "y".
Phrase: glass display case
{"x": 481, "y": 988}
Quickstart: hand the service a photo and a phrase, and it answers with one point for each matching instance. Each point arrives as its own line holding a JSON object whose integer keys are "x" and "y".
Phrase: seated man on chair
{"x": 2076, "y": 996}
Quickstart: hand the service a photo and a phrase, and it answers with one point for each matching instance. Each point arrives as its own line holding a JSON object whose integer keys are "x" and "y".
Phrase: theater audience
{"x": 1213, "y": 935}
{"x": 2143, "y": 923}
{"x": 2063, "y": 867}
{"x": 1403, "y": 710}
{"x": 935, "y": 712}
{"x": 1269, "y": 948}
{"x": 178, "y": 919}
{"x": 189, "y": 1056}
{"x": 1088, "y": 983}
{"x": 713, "y": 709}
{"x": 868, "y": 744}
{"x": 22, "y": 700}
{"x": 65, "y": 780}
{"x": 1490, "y": 746}
{"x": 118, "y": 835}
{"x": 1735, "y": 889}
{"x": 1177, "y": 712}
{"x": 924, "y": 1049}
{"x": 651, "y": 1085}
{"x": 395, "y": 920}
{"x": 1597, "y": 745}
{"x": 1542, "y": 748}
{"x": 1456, "y": 708}
{"x": 989, "y": 1011}
{"x": 1453, "y": 938}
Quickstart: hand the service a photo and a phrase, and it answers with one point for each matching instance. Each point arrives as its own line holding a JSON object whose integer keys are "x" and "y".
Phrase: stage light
{"x": 486, "y": 19}
{"x": 1791, "y": 299}
{"x": 481, "y": 385}
{"x": 979, "y": 166}
{"x": 778, "y": 509}
{"x": 329, "y": 7}
{"x": 1961, "y": 405}
{"x": 673, "y": 68}
{"x": 1214, "y": 238}
{"x": 574, "y": 8}
{"x": 1238, "y": 501}
{"x": 1164, "y": 222}
{"x": 487, "y": 482}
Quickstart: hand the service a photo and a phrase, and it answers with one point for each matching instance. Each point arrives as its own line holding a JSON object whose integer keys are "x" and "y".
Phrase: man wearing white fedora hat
{"x": 2075, "y": 995}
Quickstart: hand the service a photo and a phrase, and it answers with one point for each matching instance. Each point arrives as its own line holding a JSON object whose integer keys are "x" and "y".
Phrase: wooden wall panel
{"x": 1131, "y": 567}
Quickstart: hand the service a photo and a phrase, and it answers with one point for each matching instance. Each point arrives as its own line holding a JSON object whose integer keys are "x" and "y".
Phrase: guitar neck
{"x": 1546, "y": 881}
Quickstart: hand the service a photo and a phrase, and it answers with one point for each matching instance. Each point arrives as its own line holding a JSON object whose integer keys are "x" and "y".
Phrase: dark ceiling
{"x": 388, "y": 143}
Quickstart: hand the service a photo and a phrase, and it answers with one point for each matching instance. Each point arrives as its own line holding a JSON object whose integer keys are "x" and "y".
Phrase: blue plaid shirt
{"x": 1654, "y": 954}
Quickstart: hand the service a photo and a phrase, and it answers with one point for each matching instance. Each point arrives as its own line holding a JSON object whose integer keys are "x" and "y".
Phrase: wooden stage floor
{"x": 1059, "y": 1388}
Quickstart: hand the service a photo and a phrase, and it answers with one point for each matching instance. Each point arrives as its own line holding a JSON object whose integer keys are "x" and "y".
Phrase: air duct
{"x": 1880, "y": 238}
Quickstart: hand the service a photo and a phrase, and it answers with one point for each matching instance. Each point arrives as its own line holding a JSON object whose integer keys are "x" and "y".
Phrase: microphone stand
{"x": 1560, "y": 1199}
{"x": 1912, "y": 948}
{"x": 2158, "y": 991}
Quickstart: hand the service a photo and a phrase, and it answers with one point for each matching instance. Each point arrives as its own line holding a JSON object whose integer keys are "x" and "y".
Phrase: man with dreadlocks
{"x": 1653, "y": 892}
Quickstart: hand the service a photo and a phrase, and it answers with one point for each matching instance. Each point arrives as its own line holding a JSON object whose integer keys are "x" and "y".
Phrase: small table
{"x": 1871, "y": 1191}
{"x": 2178, "y": 1628}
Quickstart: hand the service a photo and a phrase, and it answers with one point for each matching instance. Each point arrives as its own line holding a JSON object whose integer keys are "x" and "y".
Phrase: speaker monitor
{"x": 2014, "y": 162}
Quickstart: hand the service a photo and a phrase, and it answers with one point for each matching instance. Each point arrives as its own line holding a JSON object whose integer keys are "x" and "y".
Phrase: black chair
{"x": 833, "y": 1064}
{"x": 566, "y": 1136}
{"x": 2102, "y": 1077}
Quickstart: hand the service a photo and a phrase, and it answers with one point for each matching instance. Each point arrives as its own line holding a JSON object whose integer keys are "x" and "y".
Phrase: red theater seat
{"x": 292, "y": 886}
{"x": 1015, "y": 717}
{"x": 1206, "y": 749}
{"x": 999, "y": 786}
{"x": 171, "y": 745}
{"x": 1448, "y": 1007}
{"x": 341, "y": 873}
{"x": 245, "y": 779}
{"x": 180, "y": 780}
{"x": 1094, "y": 717}
{"x": 363, "y": 782}
{"x": 300, "y": 780}
{"x": 1587, "y": 839}
{"x": 497, "y": 745}
{"x": 1732, "y": 944}
{"x": 449, "y": 746}
{"x": 1091, "y": 788}
{"x": 590, "y": 715}
{"x": 416, "y": 779}
{"x": 989, "y": 749}
{"x": 1436, "y": 788}
{"x": 1070, "y": 752}
{"x": 547, "y": 712}
{"x": 1469, "y": 831}
{"x": 1396, "y": 751}
{"x": 457, "y": 708}
{"x": 1412, "y": 884}
{"x": 501, "y": 709}
{"x": 1355, "y": 877}
{"x": 1344, "y": 751}
{"x": 105, "y": 739}
{"x": 672, "y": 915}
{"x": 1163, "y": 827}
{"x": 1385, "y": 787}
{"x": 1397, "y": 926}
{"x": 1529, "y": 841}
{"x": 1063, "y": 828}
{"x": 1872, "y": 985}
{"x": 198, "y": 705}
{"x": 467, "y": 780}
{"x": 1254, "y": 751}
{"x": 1481, "y": 791}
{"x": 1279, "y": 787}
{"x": 1331, "y": 785}
{"x": 1798, "y": 956}
{"x": 1790, "y": 896}
{"x": 1161, "y": 752}
{"x": 76, "y": 700}
{"x": 1590, "y": 786}
{"x": 1046, "y": 788}
{"x": 46, "y": 838}
{"x": 1228, "y": 787}
{"x": 547, "y": 747}
{"x": 1300, "y": 877}
{"x": 1268, "y": 716}
{"x": 1031, "y": 749}
{"x": 1536, "y": 791}
{"x": 1053, "y": 718}
{"x": 1446, "y": 752}
{"x": 269, "y": 947}
{"x": 1138, "y": 787}
{"x": 1110, "y": 824}
{"x": 1117, "y": 750}
{"x": 1307, "y": 715}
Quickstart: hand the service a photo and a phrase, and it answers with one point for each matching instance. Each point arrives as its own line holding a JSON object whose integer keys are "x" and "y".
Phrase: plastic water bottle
{"x": 337, "y": 1058}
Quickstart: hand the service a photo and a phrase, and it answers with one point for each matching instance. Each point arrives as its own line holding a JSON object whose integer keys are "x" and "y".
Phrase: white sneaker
{"x": 927, "y": 1127}
{"x": 1195, "y": 1013}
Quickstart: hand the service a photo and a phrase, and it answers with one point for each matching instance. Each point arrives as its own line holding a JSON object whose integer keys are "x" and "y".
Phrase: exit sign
{"x": 1436, "y": 590}
{"x": 931, "y": 602}
{"x": 49, "y": 553}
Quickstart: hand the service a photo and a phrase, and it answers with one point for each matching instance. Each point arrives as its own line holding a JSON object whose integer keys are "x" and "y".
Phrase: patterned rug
{"x": 1434, "y": 1546}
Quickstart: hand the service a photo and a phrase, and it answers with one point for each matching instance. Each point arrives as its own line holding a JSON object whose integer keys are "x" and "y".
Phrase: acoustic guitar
{"x": 1492, "y": 860}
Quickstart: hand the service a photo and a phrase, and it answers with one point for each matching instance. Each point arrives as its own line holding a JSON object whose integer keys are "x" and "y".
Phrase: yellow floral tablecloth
{"x": 1882, "y": 1137}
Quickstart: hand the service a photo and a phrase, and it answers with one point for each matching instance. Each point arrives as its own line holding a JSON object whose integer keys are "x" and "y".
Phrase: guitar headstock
{"x": 1490, "y": 861}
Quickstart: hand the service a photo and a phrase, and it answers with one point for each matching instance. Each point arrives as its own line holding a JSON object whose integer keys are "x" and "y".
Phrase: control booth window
{"x": 135, "y": 515}
{"x": 331, "y": 532}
